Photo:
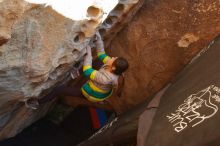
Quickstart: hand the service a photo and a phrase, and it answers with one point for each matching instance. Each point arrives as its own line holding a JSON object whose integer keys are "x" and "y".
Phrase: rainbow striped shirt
{"x": 101, "y": 82}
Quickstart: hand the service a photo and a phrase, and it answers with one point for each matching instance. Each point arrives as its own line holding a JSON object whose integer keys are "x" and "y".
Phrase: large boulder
{"x": 188, "y": 114}
{"x": 159, "y": 41}
{"x": 38, "y": 46}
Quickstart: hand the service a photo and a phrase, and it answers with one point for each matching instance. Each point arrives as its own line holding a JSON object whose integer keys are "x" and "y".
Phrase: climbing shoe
{"x": 32, "y": 103}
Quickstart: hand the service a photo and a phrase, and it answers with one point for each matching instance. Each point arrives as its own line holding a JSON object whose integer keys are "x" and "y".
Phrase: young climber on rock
{"x": 101, "y": 83}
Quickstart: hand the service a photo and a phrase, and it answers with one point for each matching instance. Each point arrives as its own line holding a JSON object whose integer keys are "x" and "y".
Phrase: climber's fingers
{"x": 88, "y": 49}
{"x": 98, "y": 36}
{"x": 74, "y": 73}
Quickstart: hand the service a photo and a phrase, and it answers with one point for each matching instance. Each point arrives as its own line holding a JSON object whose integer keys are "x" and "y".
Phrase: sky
{"x": 76, "y": 9}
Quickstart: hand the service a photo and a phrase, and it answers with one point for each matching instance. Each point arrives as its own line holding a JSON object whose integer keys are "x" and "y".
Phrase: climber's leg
{"x": 72, "y": 91}
{"x": 56, "y": 92}
{"x": 63, "y": 90}
{"x": 34, "y": 103}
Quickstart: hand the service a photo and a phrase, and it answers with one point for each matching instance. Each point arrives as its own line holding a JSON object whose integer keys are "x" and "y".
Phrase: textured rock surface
{"x": 163, "y": 36}
{"x": 123, "y": 12}
{"x": 38, "y": 47}
{"x": 10, "y": 11}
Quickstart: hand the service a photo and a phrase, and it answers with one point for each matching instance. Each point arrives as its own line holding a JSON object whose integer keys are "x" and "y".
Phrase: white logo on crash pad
{"x": 196, "y": 108}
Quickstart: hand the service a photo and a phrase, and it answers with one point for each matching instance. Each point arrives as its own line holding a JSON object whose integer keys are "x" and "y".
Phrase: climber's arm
{"x": 87, "y": 65}
{"x": 100, "y": 49}
{"x": 89, "y": 71}
{"x": 95, "y": 75}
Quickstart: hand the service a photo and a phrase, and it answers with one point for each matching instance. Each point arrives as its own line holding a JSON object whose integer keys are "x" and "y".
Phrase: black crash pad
{"x": 189, "y": 112}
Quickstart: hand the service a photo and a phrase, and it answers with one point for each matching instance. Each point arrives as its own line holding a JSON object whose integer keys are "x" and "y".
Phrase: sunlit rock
{"x": 38, "y": 47}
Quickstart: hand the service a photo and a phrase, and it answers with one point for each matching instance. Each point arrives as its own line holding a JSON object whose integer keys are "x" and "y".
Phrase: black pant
{"x": 63, "y": 90}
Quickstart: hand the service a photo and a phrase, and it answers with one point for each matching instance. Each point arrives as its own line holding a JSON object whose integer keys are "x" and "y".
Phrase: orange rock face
{"x": 162, "y": 37}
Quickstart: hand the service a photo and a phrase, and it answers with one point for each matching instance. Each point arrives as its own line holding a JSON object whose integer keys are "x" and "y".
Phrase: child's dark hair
{"x": 121, "y": 65}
